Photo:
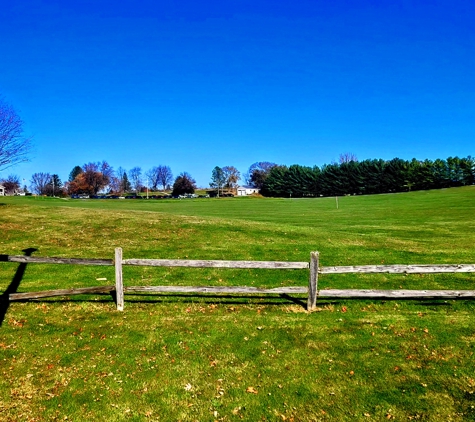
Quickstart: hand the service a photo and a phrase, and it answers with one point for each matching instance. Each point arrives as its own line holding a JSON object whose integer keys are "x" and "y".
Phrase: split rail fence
{"x": 311, "y": 290}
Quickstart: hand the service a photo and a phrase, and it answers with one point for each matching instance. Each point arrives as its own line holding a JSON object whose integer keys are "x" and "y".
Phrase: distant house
{"x": 2, "y": 190}
{"x": 246, "y": 190}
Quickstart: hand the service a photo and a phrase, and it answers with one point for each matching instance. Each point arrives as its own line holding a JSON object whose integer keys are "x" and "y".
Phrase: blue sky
{"x": 195, "y": 84}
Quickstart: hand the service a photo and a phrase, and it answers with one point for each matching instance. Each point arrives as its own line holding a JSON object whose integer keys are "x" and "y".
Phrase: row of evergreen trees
{"x": 368, "y": 177}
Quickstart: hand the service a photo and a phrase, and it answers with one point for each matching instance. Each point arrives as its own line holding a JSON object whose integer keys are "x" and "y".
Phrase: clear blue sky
{"x": 195, "y": 84}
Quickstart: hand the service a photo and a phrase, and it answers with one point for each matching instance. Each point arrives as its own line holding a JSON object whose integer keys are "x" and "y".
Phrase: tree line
{"x": 373, "y": 176}
{"x": 348, "y": 177}
{"x": 94, "y": 177}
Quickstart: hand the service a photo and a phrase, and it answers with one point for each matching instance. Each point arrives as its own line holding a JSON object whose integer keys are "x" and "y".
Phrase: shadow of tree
{"x": 13, "y": 287}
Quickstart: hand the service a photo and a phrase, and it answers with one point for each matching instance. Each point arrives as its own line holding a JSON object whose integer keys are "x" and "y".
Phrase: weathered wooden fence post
{"x": 312, "y": 282}
{"x": 119, "y": 286}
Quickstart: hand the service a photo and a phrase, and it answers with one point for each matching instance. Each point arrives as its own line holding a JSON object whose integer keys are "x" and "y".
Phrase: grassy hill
{"x": 179, "y": 357}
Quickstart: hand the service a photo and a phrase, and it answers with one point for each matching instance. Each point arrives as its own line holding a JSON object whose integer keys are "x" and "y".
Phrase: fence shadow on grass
{"x": 224, "y": 299}
{"x": 15, "y": 283}
{"x": 186, "y": 299}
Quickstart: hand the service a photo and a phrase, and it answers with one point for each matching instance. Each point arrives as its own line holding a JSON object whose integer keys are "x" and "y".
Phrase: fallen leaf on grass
{"x": 251, "y": 390}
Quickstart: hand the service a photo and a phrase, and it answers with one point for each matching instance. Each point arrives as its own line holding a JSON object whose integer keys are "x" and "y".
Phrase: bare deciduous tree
{"x": 14, "y": 147}
{"x": 159, "y": 176}
{"x": 11, "y": 184}
{"x": 152, "y": 177}
{"x": 39, "y": 183}
{"x": 136, "y": 178}
{"x": 347, "y": 157}
{"x": 116, "y": 184}
{"x": 165, "y": 176}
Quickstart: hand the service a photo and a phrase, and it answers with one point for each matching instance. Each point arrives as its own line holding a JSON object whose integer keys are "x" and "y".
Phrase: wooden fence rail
{"x": 400, "y": 269}
{"x": 270, "y": 265}
{"x": 311, "y": 290}
{"x": 22, "y": 259}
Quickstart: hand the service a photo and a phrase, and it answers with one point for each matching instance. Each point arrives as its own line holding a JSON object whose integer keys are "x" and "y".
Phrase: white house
{"x": 246, "y": 190}
{"x": 2, "y": 190}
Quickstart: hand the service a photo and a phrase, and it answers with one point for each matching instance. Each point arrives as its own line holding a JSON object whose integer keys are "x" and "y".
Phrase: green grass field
{"x": 206, "y": 358}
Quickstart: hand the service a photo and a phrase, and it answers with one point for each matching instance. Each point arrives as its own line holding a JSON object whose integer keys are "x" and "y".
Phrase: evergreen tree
{"x": 184, "y": 183}
{"x": 275, "y": 184}
{"x": 75, "y": 172}
{"x": 218, "y": 178}
{"x": 372, "y": 172}
{"x": 467, "y": 166}
{"x": 368, "y": 177}
{"x": 441, "y": 174}
{"x": 54, "y": 186}
{"x": 125, "y": 184}
{"x": 396, "y": 175}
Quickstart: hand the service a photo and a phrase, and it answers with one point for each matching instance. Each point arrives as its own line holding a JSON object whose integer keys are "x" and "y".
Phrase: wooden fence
{"x": 311, "y": 290}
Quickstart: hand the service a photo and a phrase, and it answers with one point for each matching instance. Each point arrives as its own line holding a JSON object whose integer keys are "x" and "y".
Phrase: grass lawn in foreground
{"x": 181, "y": 357}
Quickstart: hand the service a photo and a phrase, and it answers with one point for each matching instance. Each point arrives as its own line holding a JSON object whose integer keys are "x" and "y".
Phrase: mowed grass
{"x": 205, "y": 358}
